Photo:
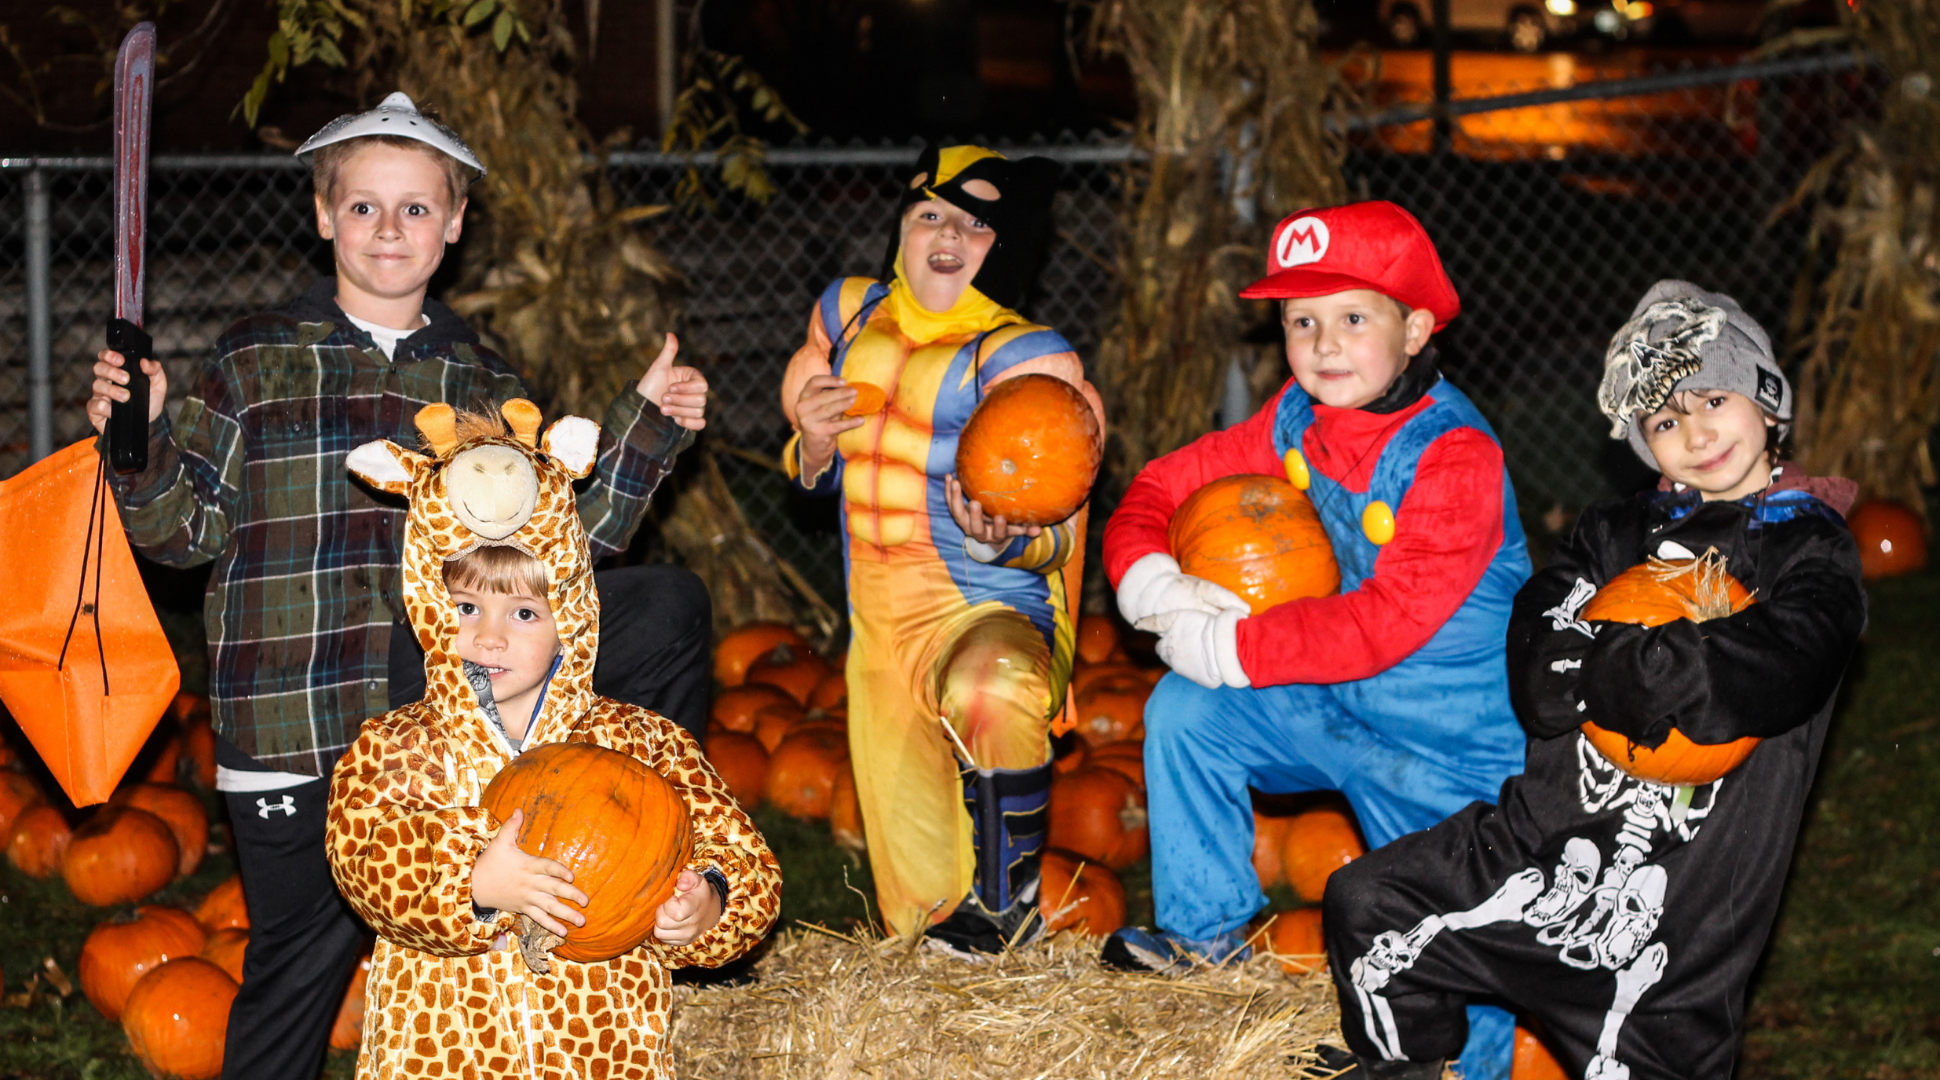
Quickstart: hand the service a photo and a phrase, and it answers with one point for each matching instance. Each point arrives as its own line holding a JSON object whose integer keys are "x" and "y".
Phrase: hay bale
{"x": 833, "y": 1006}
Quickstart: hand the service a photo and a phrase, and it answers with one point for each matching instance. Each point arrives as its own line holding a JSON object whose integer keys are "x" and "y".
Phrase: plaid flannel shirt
{"x": 305, "y": 588}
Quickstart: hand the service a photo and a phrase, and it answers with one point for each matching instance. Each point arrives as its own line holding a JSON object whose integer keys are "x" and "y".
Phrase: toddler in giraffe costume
{"x": 498, "y": 582}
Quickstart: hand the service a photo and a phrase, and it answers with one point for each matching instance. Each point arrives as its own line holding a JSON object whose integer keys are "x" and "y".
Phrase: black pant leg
{"x": 656, "y": 633}
{"x": 406, "y": 666}
{"x": 1418, "y": 928}
{"x": 303, "y": 938}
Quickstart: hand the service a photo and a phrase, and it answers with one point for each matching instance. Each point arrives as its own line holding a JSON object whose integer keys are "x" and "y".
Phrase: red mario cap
{"x": 1365, "y": 245}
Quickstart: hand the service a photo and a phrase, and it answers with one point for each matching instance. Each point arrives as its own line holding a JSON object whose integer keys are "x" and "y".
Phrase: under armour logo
{"x": 264, "y": 806}
{"x": 1302, "y": 241}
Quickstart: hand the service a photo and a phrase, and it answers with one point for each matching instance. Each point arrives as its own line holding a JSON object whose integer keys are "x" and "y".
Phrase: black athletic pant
{"x": 303, "y": 937}
{"x": 656, "y": 634}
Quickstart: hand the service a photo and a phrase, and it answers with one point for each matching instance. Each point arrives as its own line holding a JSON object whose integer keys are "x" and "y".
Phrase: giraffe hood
{"x": 482, "y": 488}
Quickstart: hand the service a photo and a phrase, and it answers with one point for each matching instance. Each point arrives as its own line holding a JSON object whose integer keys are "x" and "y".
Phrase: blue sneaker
{"x": 1162, "y": 952}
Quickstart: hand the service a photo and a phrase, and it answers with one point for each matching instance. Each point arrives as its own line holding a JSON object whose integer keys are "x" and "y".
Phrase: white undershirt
{"x": 386, "y": 337}
{"x": 255, "y": 780}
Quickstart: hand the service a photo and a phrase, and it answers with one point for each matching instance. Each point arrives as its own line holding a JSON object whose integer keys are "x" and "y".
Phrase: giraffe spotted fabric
{"x": 449, "y": 996}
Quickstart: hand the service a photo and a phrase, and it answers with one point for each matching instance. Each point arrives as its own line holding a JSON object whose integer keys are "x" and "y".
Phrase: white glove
{"x": 1155, "y": 585}
{"x": 1202, "y": 647}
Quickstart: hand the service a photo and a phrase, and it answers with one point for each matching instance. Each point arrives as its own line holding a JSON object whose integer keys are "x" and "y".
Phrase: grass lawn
{"x": 1850, "y": 987}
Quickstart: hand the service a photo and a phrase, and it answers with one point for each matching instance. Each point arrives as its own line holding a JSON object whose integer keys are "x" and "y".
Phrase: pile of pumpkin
{"x": 778, "y": 734}
{"x": 167, "y": 974}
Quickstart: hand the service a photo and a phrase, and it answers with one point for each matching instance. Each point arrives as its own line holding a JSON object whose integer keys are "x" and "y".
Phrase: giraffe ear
{"x": 438, "y": 423}
{"x": 574, "y": 442}
{"x": 386, "y": 466}
{"x": 522, "y": 417}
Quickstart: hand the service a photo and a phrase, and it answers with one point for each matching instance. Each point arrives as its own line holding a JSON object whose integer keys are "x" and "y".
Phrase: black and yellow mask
{"x": 1020, "y": 216}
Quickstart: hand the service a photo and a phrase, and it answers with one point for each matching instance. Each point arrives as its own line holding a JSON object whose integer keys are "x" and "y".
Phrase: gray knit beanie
{"x": 1681, "y": 337}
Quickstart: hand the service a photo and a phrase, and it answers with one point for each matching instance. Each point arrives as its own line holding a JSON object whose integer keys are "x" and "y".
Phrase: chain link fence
{"x": 1554, "y": 209}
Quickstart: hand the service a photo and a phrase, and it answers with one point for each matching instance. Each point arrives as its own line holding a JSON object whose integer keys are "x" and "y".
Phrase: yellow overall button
{"x": 1377, "y": 521}
{"x": 1297, "y": 473}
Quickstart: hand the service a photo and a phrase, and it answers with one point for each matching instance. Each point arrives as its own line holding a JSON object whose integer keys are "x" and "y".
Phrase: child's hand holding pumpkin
{"x": 690, "y": 912}
{"x": 507, "y": 879}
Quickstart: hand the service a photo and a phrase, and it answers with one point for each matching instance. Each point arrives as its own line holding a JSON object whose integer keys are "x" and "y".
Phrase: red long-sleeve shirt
{"x": 1447, "y": 529}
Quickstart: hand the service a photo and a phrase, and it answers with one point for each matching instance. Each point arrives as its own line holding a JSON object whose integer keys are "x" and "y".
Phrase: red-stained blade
{"x": 134, "y": 89}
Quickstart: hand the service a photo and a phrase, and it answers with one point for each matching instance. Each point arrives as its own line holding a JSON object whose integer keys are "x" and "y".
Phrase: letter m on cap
{"x": 1302, "y": 241}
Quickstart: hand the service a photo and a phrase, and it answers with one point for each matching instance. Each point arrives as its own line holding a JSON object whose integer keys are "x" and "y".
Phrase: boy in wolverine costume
{"x": 961, "y": 625}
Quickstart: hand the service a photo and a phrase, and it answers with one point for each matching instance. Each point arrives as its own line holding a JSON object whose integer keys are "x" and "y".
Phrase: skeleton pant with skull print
{"x": 1596, "y": 924}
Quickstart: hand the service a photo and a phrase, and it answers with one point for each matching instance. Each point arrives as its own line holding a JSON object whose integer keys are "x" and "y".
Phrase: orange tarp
{"x": 85, "y": 731}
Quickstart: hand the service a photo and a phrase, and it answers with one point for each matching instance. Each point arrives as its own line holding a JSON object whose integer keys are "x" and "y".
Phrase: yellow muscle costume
{"x": 983, "y": 642}
{"x": 447, "y": 996}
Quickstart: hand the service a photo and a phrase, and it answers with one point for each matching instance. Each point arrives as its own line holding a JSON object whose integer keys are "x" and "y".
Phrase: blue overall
{"x": 1407, "y": 747}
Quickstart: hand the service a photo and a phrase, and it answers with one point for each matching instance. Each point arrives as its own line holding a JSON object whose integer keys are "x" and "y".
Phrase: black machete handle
{"x": 128, "y": 423}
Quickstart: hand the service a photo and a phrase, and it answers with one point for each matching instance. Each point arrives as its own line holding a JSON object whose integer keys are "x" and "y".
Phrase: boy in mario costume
{"x": 1393, "y": 692}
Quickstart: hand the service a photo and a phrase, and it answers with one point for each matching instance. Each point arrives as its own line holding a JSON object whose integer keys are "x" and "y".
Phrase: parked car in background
{"x": 1525, "y": 25}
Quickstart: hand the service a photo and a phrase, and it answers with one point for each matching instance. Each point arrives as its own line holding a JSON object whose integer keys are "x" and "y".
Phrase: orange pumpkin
{"x": 742, "y": 762}
{"x": 225, "y": 950}
{"x": 1318, "y": 842}
{"x": 845, "y": 812}
{"x": 869, "y": 399}
{"x": 1269, "y": 836}
{"x": 183, "y": 813}
{"x": 795, "y": 669}
{"x": 1892, "y": 539}
{"x": 1075, "y": 893}
{"x": 17, "y": 793}
{"x": 122, "y": 853}
{"x": 802, "y": 772}
{"x": 735, "y": 709}
{"x": 620, "y": 827}
{"x": 1116, "y": 675}
{"x": 1294, "y": 937}
{"x": 1533, "y": 1060}
{"x": 831, "y": 693}
{"x": 1111, "y": 711}
{"x": 348, "y": 1032}
{"x": 1258, "y": 536}
{"x": 1126, "y": 757}
{"x": 166, "y": 746}
{"x": 118, "y": 953}
{"x": 1099, "y": 814}
{"x": 224, "y": 908}
{"x": 1653, "y": 594}
{"x": 177, "y": 1016}
{"x": 1074, "y": 758}
{"x": 746, "y": 644}
{"x": 199, "y": 750}
{"x": 772, "y": 723}
{"x": 1098, "y": 639}
{"x": 1030, "y": 450}
{"x": 39, "y": 843}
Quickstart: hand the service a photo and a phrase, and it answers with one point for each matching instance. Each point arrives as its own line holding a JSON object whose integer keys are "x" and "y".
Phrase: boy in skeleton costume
{"x": 1627, "y": 915}
{"x": 409, "y": 844}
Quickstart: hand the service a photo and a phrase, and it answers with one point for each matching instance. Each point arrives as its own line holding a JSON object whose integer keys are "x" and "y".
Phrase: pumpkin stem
{"x": 536, "y": 944}
{"x": 1711, "y": 584}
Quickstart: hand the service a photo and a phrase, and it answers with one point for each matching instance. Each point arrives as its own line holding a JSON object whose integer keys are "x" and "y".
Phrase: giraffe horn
{"x": 439, "y": 425}
{"x": 523, "y": 416}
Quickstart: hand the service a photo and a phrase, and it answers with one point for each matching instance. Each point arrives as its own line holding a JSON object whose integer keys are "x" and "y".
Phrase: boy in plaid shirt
{"x": 304, "y": 597}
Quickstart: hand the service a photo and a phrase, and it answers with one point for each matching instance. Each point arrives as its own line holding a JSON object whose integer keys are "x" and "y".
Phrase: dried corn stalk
{"x": 747, "y": 580}
{"x": 1231, "y": 95}
{"x": 1869, "y": 385}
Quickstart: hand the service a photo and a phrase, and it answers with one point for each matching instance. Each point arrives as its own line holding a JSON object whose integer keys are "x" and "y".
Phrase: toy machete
{"x": 134, "y": 87}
